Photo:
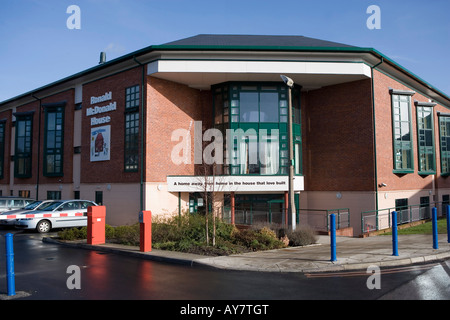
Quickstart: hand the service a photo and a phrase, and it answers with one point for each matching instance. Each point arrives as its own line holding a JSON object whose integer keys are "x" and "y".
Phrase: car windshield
{"x": 33, "y": 205}
{"x": 52, "y": 206}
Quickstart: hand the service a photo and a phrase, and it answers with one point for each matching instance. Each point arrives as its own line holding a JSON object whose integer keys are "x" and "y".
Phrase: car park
{"x": 65, "y": 214}
{"x": 13, "y": 203}
{"x": 33, "y": 206}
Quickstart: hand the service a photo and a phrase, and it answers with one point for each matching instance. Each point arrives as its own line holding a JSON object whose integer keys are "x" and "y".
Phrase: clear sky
{"x": 37, "y": 48}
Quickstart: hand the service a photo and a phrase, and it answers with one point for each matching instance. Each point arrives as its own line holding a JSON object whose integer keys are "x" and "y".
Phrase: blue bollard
{"x": 11, "y": 285}
{"x": 434, "y": 226}
{"x": 394, "y": 234}
{"x": 333, "y": 236}
{"x": 448, "y": 224}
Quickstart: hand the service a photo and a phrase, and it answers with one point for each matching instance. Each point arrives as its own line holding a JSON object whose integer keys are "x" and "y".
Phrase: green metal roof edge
{"x": 149, "y": 49}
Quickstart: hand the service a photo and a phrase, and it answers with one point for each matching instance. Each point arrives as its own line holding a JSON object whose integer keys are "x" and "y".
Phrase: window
{"x": 99, "y": 197}
{"x": 22, "y": 157}
{"x": 132, "y": 97}
{"x": 2, "y": 148}
{"x": 425, "y": 133}
{"x": 131, "y": 141}
{"x": 403, "y": 145}
{"x": 444, "y": 130}
{"x": 260, "y": 110}
{"x": 54, "y": 141}
{"x": 131, "y": 152}
{"x": 53, "y": 195}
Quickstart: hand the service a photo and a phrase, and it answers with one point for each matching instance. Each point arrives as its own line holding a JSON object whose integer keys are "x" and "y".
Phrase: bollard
{"x": 434, "y": 226}
{"x": 394, "y": 234}
{"x": 11, "y": 285}
{"x": 448, "y": 224}
{"x": 333, "y": 236}
{"x": 145, "y": 221}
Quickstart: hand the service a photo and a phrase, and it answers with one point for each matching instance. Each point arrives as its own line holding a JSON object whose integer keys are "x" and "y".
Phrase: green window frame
{"x": 54, "y": 140}
{"x": 253, "y": 107}
{"x": 131, "y": 150}
{"x": 402, "y": 132}
{"x": 444, "y": 137}
{"x": 131, "y": 134}
{"x": 23, "y": 145}
{"x": 2, "y": 147}
{"x": 132, "y": 97}
{"x": 425, "y": 138}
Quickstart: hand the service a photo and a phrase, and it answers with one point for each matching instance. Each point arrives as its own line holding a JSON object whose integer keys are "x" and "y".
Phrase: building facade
{"x": 202, "y": 122}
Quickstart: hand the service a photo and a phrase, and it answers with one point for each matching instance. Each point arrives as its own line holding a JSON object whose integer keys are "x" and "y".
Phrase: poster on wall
{"x": 100, "y": 143}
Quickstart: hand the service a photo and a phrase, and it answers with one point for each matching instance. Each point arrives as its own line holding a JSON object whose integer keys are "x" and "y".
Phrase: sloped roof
{"x": 227, "y": 40}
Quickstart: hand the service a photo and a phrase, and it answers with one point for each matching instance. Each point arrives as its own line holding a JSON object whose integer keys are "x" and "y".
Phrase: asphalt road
{"x": 45, "y": 272}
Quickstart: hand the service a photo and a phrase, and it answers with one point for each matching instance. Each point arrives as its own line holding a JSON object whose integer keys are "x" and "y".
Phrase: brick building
{"x": 131, "y": 133}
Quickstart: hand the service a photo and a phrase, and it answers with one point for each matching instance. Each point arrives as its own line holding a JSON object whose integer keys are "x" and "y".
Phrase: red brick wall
{"x": 172, "y": 106}
{"x": 411, "y": 181}
{"x": 338, "y": 138}
{"x": 111, "y": 171}
{"x": 68, "y": 97}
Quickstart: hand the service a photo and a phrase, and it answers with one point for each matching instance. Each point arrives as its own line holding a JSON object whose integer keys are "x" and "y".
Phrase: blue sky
{"x": 37, "y": 48}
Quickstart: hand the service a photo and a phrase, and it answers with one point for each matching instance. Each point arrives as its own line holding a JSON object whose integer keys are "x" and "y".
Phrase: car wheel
{"x": 43, "y": 226}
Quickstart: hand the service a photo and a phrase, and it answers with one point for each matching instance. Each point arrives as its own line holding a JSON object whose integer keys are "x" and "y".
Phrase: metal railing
{"x": 376, "y": 220}
{"x": 319, "y": 219}
{"x": 314, "y": 218}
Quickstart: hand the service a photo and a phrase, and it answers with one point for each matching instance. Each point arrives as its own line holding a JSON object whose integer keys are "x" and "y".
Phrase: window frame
{"x": 443, "y": 156}
{"x": 422, "y": 149}
{"x": 132, "y": 103}
{"x": 2, "y": 148}
{"x": 58, "y": 108}
{"x": 27, "y": 154}
{"x": 228, "y": 95}
{"x": 395, "y": 124}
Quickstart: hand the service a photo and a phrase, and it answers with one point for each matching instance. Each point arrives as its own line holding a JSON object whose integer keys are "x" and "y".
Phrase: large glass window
{"x": 53, "y": 141}
{"x": 131, "y": 141}
{"x": 131, "y": 154}
{"x": 22, "y": 157}
{"x": 260, "y": 111}
{"x": 425, "y": 133}
{"x": 2, "y": 148}
{"x": 249, "y": 103}
{"x": 403, "y": 145}
{"x": 444, "y": 125}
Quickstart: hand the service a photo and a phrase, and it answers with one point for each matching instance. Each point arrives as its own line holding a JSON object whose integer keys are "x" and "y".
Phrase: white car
{"x": 33, "y": 206}
{"x": 67, "y": 208}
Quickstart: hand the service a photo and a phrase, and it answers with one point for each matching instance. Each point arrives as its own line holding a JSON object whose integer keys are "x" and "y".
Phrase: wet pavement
{"x": 352, "y": 254}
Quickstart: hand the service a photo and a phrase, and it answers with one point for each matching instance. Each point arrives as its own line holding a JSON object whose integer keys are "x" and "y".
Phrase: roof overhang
{"x": 203, "y": 73}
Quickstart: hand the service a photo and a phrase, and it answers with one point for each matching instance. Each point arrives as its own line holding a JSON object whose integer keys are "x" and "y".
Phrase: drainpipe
{"x": 374, "y": 134}
{"x": 38, "y": 146}
{"x": 142, "y": 135}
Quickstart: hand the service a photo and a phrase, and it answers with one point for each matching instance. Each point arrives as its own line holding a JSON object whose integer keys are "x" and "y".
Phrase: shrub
{"x": 302, "y": 236}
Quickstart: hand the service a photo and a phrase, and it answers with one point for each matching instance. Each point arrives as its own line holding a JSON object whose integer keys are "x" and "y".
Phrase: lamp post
{"x": 290, "y": 83}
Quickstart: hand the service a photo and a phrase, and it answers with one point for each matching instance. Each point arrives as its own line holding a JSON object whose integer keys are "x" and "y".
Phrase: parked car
{"x": 13, "y": 203}
{"x": 33, "y": 206}
{"x": 44, "y": 225}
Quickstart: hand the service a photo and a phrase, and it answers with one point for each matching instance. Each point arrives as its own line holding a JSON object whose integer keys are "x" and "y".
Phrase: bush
{"x": 71, "y": 234}
{"x": 186, "y": 233}
{"x": 301, "y": 236}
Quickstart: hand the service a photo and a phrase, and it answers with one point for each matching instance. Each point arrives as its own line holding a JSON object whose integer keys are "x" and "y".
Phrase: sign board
{"x": 233, "y": 183}
{"x": 100, "y": 143}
